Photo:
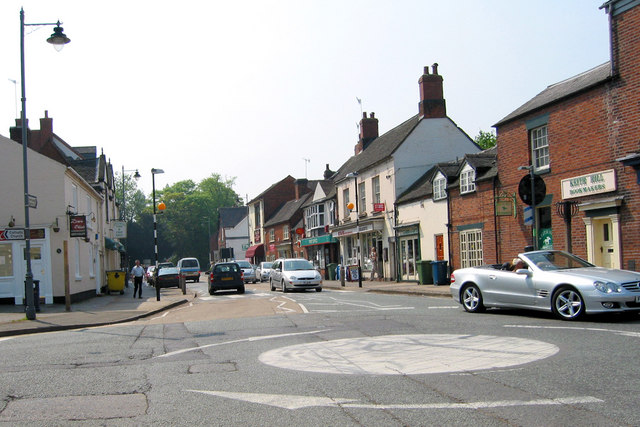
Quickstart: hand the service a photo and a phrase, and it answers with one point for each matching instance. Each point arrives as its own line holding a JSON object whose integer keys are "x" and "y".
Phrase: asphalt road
{"x": 328, "y": 358}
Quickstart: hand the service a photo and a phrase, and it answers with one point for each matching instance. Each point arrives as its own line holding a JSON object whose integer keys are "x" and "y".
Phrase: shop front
{"x": 255, "y": 253}
{"x": 356, "y": 241}
{"x": 322, "y": 251}
{"x": 409, "y": 252}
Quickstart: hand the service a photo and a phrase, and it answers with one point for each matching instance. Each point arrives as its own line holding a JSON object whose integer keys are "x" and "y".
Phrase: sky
{"x": 258, "y": 90}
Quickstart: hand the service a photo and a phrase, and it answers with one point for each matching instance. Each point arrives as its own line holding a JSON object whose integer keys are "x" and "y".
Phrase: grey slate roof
{"x": 230, "y": 217}
{"x": 379, "y": 149}
{"x": 563, "y": 89}
{"x": 286, "y": 212}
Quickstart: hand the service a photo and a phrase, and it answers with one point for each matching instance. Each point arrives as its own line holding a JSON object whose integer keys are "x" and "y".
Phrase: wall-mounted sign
{"x": 12, "y": 234}
{"x": 120, "y": 229}
{"x": 586, "y": 185}
{"x": 78, "y": 226}
{"x": 378, "y": 207}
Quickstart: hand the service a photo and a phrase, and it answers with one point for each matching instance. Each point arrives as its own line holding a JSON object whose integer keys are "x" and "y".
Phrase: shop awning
{"x": 255, "y": 250}
{"x": 113, "y": 245}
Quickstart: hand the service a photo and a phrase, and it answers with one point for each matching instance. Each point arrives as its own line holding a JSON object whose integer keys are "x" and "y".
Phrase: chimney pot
{"x": 364, "y": 114}
{"x": 426, "y": 69}
{"x": 372, "y": 115}
{"x": 435, "y": 68}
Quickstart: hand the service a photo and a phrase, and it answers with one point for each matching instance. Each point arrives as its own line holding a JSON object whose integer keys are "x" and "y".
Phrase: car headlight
{"x": 318, "y": 276}
{"x": 293, "y": 278}
{"x": 607, "y": 287}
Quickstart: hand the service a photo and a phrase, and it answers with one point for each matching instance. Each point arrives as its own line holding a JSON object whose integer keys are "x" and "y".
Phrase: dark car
{"x": 225, "y": 276}
{"x": 167, "y": 277}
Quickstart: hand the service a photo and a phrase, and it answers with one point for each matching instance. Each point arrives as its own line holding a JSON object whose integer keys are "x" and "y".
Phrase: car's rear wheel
{"x": 284, "y": 288}
{"x": 241, "y": 290}
{"x": 212, "y": 291}
{"x": 567, "y": 303}
{"x": 472, "y": 299}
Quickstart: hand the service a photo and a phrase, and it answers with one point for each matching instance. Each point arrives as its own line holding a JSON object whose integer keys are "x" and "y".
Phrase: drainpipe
{"x": 449, "y": 234}
{"x": 495, "y": 220}
{"x": 397, "y": 243}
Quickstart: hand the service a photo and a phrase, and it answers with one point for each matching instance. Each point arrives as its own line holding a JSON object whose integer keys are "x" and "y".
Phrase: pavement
{"x": 109, "y": 309}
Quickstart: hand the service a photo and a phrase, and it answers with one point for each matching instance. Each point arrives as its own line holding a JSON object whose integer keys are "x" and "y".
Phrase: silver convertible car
{"x": 551, "y": 280}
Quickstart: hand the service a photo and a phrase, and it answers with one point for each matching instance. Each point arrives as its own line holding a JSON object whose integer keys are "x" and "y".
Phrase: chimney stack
{"x": 368, "y": 132}
{"x": 15, "y": 132}
{"x": 432, "y": 104}
{"x": 301, "y": 187}
{"x": 46, "y": 126}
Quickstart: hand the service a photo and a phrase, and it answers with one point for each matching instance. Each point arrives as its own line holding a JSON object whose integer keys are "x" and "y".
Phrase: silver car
{"x": 263, "y": 271}
{"x": 294, "y": 273}
{"x": 554, "y": 281}
{"x": 248, "y": 270}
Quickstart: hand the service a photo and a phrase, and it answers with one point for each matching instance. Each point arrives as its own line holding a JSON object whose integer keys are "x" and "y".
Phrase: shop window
{"x": 6, "y": 260}
{"x": 471, "y": 248}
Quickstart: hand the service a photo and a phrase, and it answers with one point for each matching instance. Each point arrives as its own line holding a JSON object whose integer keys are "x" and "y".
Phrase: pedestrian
{"x": 137, "y": 272}
{"x": 373, "y": 256}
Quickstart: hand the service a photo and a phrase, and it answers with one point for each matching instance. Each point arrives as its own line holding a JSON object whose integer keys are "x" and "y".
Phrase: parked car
{"x": 189, "y": 268}
{"x": 263, "y": 271}
{"x": 248, "y": 270}
{"x": 167, "y": 277}
{"x": 554, "y": 281}
{"x": 294, "y": 273}
{"x": 224, "y": 276}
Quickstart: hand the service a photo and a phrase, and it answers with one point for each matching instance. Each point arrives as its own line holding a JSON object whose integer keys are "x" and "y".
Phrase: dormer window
{"x": 467, "y": 180}
{"x": 439, "y": 187}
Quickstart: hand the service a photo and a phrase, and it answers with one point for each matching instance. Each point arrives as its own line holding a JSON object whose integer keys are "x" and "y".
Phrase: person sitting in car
{"x": 517, "y": 264}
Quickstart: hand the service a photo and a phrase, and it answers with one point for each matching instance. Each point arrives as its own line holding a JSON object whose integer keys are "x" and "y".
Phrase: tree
{"x": 183, "y": 227}
{"x": 486, "y": 139}
{"x": 134, "y": 198}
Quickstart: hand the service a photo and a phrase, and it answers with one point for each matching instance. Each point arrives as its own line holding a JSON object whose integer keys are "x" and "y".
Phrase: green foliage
{"x": 486, "y": 139}
{"x": 134, "y": 198}
{"x": 184, "y": 227}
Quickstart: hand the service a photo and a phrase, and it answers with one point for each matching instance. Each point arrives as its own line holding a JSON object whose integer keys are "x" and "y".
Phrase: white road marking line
{"x": 251, "y": 339}
{"x": 293, "y": 402}
{"x": 576, "y": 328}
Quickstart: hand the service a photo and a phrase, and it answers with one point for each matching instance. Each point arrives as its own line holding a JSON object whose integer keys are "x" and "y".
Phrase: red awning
{"x": 255, "y": 250}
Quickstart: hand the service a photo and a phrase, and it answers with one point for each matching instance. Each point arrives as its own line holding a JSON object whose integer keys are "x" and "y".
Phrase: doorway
{"x": 409, "y": 253}
{"x": 603, "y": 240}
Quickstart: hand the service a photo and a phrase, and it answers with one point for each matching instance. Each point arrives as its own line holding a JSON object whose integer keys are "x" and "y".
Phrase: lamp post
{"x": 58, "y": 40}
{"x": 155, "y": 223}
{"x": 209, "y": 236}
{"x": 123, "y": 217}
{"x": 354, "y": 175}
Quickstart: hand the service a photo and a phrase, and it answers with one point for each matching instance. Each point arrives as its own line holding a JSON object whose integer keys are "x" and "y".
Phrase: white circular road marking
{"x": 409, "y": 354}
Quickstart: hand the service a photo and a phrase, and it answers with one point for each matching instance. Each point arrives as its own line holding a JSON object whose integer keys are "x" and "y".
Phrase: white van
{"x": 189, "y": 268}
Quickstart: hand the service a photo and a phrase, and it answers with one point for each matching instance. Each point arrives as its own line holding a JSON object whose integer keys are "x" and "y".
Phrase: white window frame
{"x": 74, "y": 197}
{"x": 540, "y": 148}
{"x": 272, "y": 235}
{"x": 77, "y": 254}
{"x": 345, "y": 199}
{"x": 467, "y": 180}
{"x": 362, "y": 194}
{"x": 375, "y": 188}
{"x": 285, "y": 232}
{"x": 471, "y": 252}
{"x": 439, "y": 187}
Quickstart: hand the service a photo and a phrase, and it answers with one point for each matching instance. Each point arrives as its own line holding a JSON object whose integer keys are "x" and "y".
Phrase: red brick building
{"x": 581, "y": 136}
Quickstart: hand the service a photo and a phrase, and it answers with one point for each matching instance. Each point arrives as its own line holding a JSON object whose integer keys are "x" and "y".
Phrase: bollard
{"x": 343, "y": 272}
{"x": 183, "y": 284}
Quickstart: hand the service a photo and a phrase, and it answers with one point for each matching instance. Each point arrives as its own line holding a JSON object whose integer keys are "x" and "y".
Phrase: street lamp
{"x": 209, "y": 236}
{"x": 354, "y": 175}
{"x": 58, "y": 40}
{"x": 123, "y": 217}
{"x": 155, "y": 223}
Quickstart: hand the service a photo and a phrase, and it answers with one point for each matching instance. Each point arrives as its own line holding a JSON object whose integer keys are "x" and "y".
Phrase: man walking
{"x": 138, "y": 273}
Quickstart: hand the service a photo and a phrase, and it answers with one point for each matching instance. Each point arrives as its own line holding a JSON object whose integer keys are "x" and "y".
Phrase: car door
{"x": 276, "y": 272}
{"x": 511, "y": 288}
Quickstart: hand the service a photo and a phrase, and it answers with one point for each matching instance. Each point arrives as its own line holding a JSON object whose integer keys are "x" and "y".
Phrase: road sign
{"x": 12, "y": 234}
{"x": 32, "y": 201}
{"x": 528, "y": 215}
{"x": 539, "y": 189}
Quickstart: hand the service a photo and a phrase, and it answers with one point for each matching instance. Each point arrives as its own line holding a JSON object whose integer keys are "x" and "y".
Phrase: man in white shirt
{"x": 138, "y": 273}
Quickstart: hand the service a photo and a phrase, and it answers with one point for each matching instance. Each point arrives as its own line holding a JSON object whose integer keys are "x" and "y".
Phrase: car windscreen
{"x": 297, "y": 264}
{"x": 167, "y": 271}
{"x": 190, "y": 263}
{"x": 244, "y": 264}
{"x": 553, "y": 260}
{"x": 266, "y": 265}
{"x": 226, "y": 268}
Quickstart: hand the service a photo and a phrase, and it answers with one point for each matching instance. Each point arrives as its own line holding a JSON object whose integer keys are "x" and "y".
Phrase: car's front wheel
{"x": 273, "y": 288}
{"x": 567, "y": 303}
{"x": 472, "y": 299}
{"x": 284, "y": 288}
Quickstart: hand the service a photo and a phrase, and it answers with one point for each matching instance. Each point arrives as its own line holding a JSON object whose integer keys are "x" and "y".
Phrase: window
{"x": 256, "y": 215}
{"x": 471, "y": 248}
{"x": 74, "y": 197}
{"x": 89, "y": 213}
{"x": 467, "y": 180}
{"x": 540, "y": 148}
{"x": 362, "y": 195}
{"x": 91, "y": 262}
{"x": 345, "y": 198}
{"x": 439, "y": 187}
{"x": 315, "y": 216}
{"x": 77, "y": 253}
{"x": 6, "y": 260}
{"x": 285, "y": 232}
{"x": 272, "y": 235}
{"x": 375, "y": 189}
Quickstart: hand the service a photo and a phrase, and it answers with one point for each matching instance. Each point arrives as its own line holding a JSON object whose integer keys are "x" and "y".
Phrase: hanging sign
{"x": 78, "y": 226}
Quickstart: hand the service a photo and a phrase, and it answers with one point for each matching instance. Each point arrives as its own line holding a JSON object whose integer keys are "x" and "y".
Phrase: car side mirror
{"x": 524, "y": 271}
